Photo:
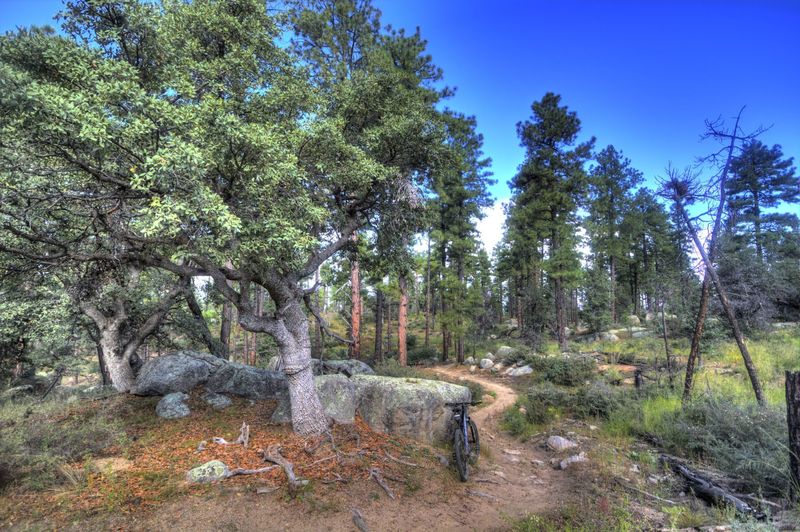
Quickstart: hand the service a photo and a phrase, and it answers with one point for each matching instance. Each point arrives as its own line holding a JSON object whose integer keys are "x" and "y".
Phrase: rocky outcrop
{"x": 413, "y": 408}
{"x": 247, "y": 381}
{"x": 337, "y": 394}
{"x": 173, "y": 406}
{"x": 347, "y": 367}
{"x": 176, "y": 372}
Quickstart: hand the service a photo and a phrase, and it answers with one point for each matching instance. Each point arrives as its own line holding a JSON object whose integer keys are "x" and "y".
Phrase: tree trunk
{"x": 116, "y": 360}
{"x": 667, "y": 350}
{"x": 388, "y": 326}
{"x": 105, "y": 378}
{"x": 613, "y": 273}
{"x": 428, "y": 297}
{"x": 205, "y": 333}
{"x": 355, "y": 312}
{"x": 723, "y": 298}
{"x": 379, "y": 325}
{"x": 225, "y": 329}
{"x": 561, "y": 324}
{"x": 308, "y": 416}
{"x": 459, "y": 318}
{"x": 402, "y": 319}
{"x": 793, "y": 422}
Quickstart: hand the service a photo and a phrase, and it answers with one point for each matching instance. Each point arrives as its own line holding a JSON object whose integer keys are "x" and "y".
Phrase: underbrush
{"x": 37, "y": 441}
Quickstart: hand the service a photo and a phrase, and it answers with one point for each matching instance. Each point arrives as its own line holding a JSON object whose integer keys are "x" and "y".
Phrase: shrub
{"x": 563, "y": 371}
{"x": 419, "y": 354}
{"x": 543, "y": 401}
{"x": 391, "y": 368}
{"x": 597, "y": 400}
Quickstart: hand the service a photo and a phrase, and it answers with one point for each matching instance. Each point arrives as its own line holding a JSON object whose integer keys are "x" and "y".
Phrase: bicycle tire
{"x": 474, "y": 442}
{"x": 460, "y": 451}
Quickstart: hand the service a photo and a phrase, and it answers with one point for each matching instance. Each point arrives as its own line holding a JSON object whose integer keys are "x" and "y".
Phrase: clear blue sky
{"x": 642, "y": 75}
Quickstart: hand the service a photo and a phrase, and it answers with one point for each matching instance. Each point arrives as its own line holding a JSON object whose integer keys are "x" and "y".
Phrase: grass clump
{"x": 563, "y": 371}
{"x": 37, "y": 442}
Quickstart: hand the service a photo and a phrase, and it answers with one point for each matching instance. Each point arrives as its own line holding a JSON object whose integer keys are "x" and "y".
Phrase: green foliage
{"x": 544, "y": 401}
{"x": 420, "y": 354}
{"x": 564, "y": 371}
{"x": 598, "y": 399}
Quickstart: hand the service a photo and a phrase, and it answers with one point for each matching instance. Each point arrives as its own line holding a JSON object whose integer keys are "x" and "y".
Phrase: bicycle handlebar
{"x": 459, "y": 403}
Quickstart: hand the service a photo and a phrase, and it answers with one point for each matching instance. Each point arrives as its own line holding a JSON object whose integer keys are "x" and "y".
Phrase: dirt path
{"x": 511, "y": 479}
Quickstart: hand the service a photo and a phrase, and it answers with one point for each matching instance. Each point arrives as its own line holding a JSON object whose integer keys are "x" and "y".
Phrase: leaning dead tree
{"x": 681, "y": 190}
{"x": 694, "y": 352}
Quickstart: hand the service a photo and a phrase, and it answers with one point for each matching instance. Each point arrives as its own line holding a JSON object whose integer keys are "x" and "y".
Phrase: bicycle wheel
{"x": 460, "y": 450}
{"x": 474, "y": 442}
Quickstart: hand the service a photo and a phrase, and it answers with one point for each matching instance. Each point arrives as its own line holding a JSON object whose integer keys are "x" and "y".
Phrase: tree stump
{"x": 793, "y": 421}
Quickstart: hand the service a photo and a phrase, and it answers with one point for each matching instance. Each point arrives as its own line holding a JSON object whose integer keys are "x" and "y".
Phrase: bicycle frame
{"x": 464, "y": 422}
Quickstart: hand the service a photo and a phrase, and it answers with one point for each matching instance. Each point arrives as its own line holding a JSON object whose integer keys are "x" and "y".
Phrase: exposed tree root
{"x": 273, "y": 454}
{"x": 375, "y": 473}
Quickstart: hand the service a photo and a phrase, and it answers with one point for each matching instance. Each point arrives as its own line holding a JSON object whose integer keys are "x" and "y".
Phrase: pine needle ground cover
{"x": 142, "y": 460}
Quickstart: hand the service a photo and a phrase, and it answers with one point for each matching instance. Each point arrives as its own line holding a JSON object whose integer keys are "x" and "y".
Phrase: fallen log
{"x": 273, "y": 454}
{"x": 708, "y": 490}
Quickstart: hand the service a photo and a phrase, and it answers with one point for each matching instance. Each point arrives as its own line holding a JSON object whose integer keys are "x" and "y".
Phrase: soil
{"x": 510, "y": 480}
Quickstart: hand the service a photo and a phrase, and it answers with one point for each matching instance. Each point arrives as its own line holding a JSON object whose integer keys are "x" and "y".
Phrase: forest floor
{"x": 140, "y": 486}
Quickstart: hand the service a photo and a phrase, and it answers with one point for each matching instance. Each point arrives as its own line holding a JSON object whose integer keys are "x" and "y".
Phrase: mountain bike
{"x": 466, "y": 445}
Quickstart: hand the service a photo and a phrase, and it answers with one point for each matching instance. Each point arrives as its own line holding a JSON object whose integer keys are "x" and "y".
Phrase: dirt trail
{"x": 511, "y": 479}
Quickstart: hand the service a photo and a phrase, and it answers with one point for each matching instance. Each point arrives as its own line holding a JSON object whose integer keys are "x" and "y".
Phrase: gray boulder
{"x": 641, "y": 334}
{"x": 519, "y": 372}
{"x": 490, "y": 356}
{"x": 247, "y": 381}
{"x": 217, "y": 401}
{"x": 208, "y": 472}
{"x": 176, "y": 372}
{"x": 504, "y": 350}
{"x": 173, "y": 406}
{"x": 558, "y": 443}
{"x": 16, "y": 392}
{"x": 347, "y": 367}
{"x": 413, "y": 408}
{"x": 486, "y": 363}
{"x": 337, "y": 394}
{"x": 609, "y": 337}
{"x": 633, "y": 319}
{"x": 469, "y": 361}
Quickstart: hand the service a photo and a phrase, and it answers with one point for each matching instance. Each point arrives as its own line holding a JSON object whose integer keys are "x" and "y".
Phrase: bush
{"x": 543, "y": 401}
{"x": 419, "y": 354}
{"x": 392, "y": 368}
{"x": 748, "y": 442}
{"x": 563, "y": 371}
{"x": 597, "y": 400}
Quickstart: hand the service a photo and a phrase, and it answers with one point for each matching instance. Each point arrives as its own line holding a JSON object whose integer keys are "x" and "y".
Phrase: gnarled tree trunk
{"x": 402, "y": 321}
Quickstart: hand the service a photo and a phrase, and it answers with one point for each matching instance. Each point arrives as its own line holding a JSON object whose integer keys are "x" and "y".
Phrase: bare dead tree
{"x": 680, "y": 189}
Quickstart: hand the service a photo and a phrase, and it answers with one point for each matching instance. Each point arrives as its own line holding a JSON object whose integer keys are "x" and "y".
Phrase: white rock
{"x": 472, "y": 369}
{"x": 486, "y": 363}
{"x": 490, "y": 356}
{"x": 557, "y": 443}
{"x": 513, "y": 452}
{"x": 575, "y": 458}
{"x": 519, "y": 372}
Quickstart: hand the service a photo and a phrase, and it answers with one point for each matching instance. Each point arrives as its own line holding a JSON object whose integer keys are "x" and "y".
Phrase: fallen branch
{"x": 244, "y": 437}
{"x": 637, "y": 490}
{"x": 273, "y": 454}
{"x": 358, "y": 520}
{"x": 239, "y": 471}
{"x": 392, "y": 458}
{"x": 709, "y": 491}
{"x": 374, "y": 473}
{"x": 487, "y": 481}
{"x": 338, "y": 478}
{"x": 477, "y": 493}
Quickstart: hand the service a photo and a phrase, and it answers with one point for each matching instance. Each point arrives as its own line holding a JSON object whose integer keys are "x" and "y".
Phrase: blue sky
{"x": 642, "y": 75}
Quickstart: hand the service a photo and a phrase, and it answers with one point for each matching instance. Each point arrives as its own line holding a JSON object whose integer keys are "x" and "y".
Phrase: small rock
{"x": 202, "y": 446}
{"x": 557, "y": 443}
{"x": 486, "y": 363}
{"x": 472, "y": 369}
{"x": 504, "y": 350}
{"x": 576, "y": 458}
{"x": 592, "y": 427}
{"x": 490, "y": 356}
{"x": 469, "y": 361}
{"x": 261, "y": 490}
{"x": 512, "y": 452}
{"x": 492, "y": 337}
{"x": 634, "y": 468}
{"x": 217, "y": 401}
{"x": 500, "y": 474}
{"x": 173, "y": 406}
{"x": 522, "y": 410}
{"x": 519, "y": 372}
{"x": 443, "y": 460}
{"x": 537, "y": 463}
{"x": 208, "y": 472}
{"x": 652, "y": 479}
{"x": 512, "y": 459}
{"x": 609, "y": 337}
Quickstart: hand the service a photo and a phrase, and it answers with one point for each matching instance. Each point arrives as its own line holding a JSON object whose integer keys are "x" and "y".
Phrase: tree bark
{"x": 793, "y": 422}
{"x": 613, "y": 273}
{"x": 194, "y": 307}
{"x": 667, "y": 350}
{"x": 379, "y": 325}
{"x": 428, "y": 296}
{"x": 225, "y": 329}
{"x": 388, "y": 326}
{"x": 355, "y": 297}
{"x": 402, "y": 321}
{"x": 723, "y": 297}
